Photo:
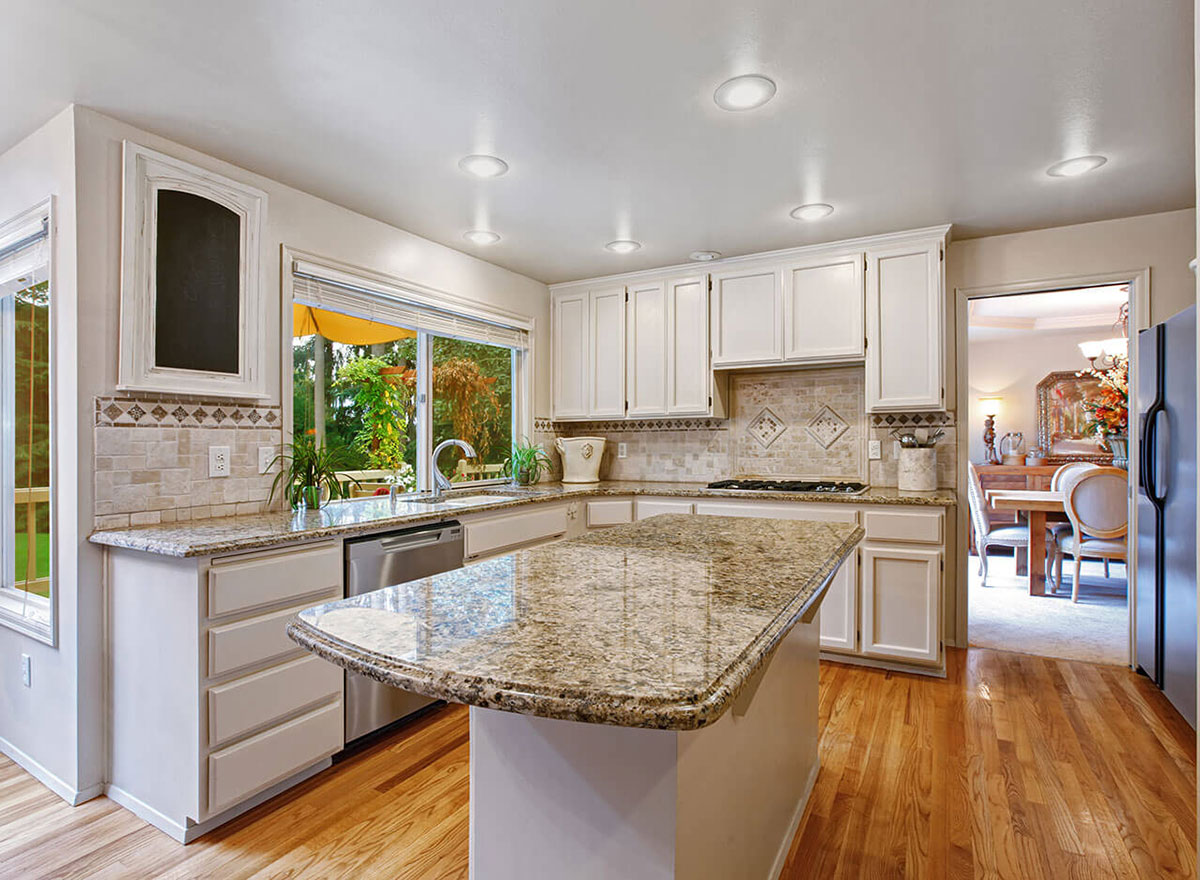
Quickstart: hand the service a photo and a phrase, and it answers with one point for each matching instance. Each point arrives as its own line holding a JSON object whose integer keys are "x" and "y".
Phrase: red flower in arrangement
{"x": 1108, "y": 408}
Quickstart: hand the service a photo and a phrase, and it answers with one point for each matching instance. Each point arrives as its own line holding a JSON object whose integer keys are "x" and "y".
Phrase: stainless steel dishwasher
{"x": 384, "y": 561}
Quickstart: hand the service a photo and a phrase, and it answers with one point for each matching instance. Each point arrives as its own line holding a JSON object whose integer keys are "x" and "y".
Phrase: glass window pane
{"x": 355, "y": 393}
{"x": 472, "y": 401}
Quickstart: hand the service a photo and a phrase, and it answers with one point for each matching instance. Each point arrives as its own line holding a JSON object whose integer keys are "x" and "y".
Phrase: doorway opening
{"x": 1047, "y": 471}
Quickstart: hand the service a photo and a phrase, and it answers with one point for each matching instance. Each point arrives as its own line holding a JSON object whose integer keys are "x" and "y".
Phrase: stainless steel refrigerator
{"x": 1166, "y": 539}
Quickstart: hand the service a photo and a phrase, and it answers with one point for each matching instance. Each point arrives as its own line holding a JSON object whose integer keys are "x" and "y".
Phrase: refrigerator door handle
{"x": 1162, "y": 455}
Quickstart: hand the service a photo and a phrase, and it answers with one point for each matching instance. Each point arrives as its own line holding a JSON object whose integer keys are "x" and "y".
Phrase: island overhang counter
{"x": 643, "y": 699}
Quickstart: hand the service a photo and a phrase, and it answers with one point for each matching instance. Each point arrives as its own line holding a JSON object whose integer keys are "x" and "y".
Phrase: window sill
{"x": 27, "y": 614}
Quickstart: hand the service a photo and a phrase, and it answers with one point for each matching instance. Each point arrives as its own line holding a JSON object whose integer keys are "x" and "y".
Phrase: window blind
{"x": 25, "y": 256}
{"x": 416, "y": 310}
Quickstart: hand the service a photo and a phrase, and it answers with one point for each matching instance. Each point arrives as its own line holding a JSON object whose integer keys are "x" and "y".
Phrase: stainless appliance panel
{"x": 1146, "y": 375}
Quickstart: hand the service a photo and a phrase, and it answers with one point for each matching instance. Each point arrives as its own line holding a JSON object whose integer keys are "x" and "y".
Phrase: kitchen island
{"x": 643, "y": 699}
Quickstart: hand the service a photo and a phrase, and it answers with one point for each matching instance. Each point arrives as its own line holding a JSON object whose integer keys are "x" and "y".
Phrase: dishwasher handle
{"x": 419, "y": 539}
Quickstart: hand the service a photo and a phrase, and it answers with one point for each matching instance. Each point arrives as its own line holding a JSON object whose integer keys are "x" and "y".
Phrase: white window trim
{"x": 16, "y": 605}
{"x": 354, "y": 276}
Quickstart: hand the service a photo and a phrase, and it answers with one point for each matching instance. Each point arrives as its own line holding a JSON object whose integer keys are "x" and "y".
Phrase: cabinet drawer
{"x": 609, "y": 513}
{"x": 242, "y": 705}
{"x": 648, "y": 507}
{"x": 512, "y": 529}
{"x": 237, "y": 772}
{"x": 239, "y": 584}
{"x": 234, "y": 645}
{"x": 919, "y": 526}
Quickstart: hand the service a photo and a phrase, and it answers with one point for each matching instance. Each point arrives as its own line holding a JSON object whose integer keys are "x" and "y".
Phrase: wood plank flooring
{"x": 1014, "y": 766}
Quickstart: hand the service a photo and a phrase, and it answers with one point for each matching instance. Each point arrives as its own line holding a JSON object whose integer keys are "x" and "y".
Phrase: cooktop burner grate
{"x": 832, "y": 487}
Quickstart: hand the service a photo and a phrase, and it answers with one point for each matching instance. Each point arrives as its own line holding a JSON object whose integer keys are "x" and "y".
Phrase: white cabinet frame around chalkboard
{"x": 146, "y": 173}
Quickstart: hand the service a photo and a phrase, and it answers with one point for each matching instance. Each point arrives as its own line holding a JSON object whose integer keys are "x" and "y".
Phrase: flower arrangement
{"x": 1108, "y": 410}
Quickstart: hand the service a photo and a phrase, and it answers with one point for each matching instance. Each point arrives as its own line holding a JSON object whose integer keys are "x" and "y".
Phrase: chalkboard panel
{"x": 198, "y": 256}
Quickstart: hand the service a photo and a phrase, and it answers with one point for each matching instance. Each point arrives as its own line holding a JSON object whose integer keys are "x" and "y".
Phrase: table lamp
{"x": 990, "y": 407}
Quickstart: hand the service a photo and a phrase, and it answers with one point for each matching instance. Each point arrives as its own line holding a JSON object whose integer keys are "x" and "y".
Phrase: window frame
{"x": 522, "y": 366}
{"x": 15, "y": 602}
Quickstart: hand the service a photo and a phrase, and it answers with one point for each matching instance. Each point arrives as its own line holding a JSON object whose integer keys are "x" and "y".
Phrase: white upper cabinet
{"x": 570, "y": 355}
{"x": 905, "y": 327}
{"x": 646, "y": 342}
{"x": 746, "y": 317}
{"x": 689, "y": 374}
{"x": 606, "y": 382}
{"x": 823, "y": 308}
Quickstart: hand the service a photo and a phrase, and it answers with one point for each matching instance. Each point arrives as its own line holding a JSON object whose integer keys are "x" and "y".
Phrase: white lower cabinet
{"x": 900, "y": 599}
{"x": 644, "y": 508}
{"x": 609, "y": 513}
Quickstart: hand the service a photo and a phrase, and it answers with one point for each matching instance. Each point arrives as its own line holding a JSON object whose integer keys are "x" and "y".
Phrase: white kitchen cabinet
{"x": 689, "y": 373}
{"x": 606, "y": 365}
{"x": 570, "y": 355}
{"x": 823, "y": 308}
{"x": 900, "y": 597}
{"x": 746, "y": 317}
{"x": 646, "y": 366}
{"x": 905, "y": 351}
{"x": 644, "y": 508}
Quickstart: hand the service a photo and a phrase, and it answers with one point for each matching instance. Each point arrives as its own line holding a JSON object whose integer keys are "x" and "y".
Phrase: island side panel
{"x": 744, "y": 782}
{"x": 552, "y": 798}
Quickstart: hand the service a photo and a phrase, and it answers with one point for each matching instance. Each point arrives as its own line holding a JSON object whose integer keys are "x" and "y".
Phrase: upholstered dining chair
{"x": 1059, "y": 530}
{"x": 1096, "y": 501}
{"x": 986, "y": 534}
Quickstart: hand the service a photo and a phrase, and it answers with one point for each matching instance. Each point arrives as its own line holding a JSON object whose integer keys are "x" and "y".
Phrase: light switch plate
{"x": 218, "y": 461}
{"x": 266, "y": 455}
{"x": 874, "y": 450}
{"x": 622, "y": 450}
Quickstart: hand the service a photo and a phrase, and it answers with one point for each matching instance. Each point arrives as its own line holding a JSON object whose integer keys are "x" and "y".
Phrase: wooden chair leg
{"x": 1106, "y": 569}
{"x": 1058, "y": 561}
{"x": 1075, "y": 581}
{"x": 983, "y": 560}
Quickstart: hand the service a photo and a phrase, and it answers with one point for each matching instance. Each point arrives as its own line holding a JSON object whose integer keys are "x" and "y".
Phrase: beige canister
{"x": 918, "y": 469}
{"x": 581, "y": 458}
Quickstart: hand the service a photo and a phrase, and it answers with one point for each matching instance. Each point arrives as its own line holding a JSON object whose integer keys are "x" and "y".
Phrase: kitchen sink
{"x": 465, "y": 500}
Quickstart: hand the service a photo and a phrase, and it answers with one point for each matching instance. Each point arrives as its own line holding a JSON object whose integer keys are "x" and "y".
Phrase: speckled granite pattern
{"x": 235, "y": 534}
{"x": 656, "y": 624}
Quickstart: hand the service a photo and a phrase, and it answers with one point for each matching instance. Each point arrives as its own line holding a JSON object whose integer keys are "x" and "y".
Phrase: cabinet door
{"x": 689, "y": 374}
{"x": 900, "y": 591}
{"x": 904, "y": 328}
{"x": 570, "y": 359}
{"x": 823, "y": 309}
{"x": 646, "y": 341}
{"x": 746, "y": 317}
{"x": 839, "y": 610}
{"x": 606, "y": 367}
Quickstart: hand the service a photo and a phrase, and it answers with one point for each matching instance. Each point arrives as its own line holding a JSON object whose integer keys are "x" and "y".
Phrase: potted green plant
{"x": 527, "y": 464}
{"x": 306, "y": 472}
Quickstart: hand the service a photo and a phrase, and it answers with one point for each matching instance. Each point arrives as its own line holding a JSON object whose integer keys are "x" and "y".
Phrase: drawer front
{"x": 258, "y": 639}
{"x": 645, "y": 508}
{"x": 239, "y": 584}
{"x": 609, "y": 513}
{"x": 242, "y": 705}
{"x": 239, "y": 771}
{"x": 512, "y": 529}
{"x": 908, "y": 526}
{"x": 833, "y": 512}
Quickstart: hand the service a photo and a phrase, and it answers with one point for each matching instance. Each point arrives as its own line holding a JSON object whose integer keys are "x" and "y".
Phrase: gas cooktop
{"x": 830, "y": 487}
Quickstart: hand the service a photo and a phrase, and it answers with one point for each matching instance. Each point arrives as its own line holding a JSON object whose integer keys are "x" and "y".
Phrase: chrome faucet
{"x": 439, "y": 481}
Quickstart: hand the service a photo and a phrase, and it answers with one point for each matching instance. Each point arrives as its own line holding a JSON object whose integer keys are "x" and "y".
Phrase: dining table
{"x": 1035, "y": 504}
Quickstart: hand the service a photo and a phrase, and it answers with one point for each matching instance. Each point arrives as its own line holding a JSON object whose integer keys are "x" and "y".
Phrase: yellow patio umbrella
{"x": 307, "y": 320}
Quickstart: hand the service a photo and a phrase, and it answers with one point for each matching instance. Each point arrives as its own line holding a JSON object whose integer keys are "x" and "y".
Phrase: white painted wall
{"x": 43, "y": 726}
{"x": 1011, "y": 369}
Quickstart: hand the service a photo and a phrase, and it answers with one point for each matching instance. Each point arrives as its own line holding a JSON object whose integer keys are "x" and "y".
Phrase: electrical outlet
{"x": 26, "y": 670}
{"x": 266, "y": 455}
{"x": 895, "y": 449}
{"x": 622, "y": 450}
{"x": 874, "y": 450}
{"x": 218, "y": 461}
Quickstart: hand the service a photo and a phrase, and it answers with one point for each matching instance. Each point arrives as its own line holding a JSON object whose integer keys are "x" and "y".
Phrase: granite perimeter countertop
{"x": 658, "y": 623}
{"x": 236, "y": 534}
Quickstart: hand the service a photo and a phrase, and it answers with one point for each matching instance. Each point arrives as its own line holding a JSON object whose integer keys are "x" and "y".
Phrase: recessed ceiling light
{"x": 1075, "y": 167}
{"x": 481, "y": 236}
{"x": 704, "y": 256}
{"x": 479, "y": 165}
{"x": 624, "y": 246}
{"x": 744, "y": 92}
{"x": 814, "y": 211}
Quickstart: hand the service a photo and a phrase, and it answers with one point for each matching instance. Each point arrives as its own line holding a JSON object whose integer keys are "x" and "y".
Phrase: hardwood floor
{"x": 1013, "y": 767}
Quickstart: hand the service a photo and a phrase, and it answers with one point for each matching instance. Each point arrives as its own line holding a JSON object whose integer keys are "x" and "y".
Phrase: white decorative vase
{"x": 581, "y": 458}
{"x": 918, "y": 469}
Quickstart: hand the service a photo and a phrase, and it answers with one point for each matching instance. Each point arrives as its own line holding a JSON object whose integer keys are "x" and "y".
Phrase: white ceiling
{"x": 898, "y": 114}
{"x": 1094, "y": 309}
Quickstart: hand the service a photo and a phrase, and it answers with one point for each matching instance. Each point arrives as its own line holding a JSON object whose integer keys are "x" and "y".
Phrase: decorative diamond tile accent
{"x": 159, "y": 413}
{"x": 219, "y": 414}
{"x": 237, "y": 415}
{"x": 826, "y": 426}
{"x": 125, "y": 412}
{"x": 112, "y": 411}
{"x": 913, "y": 420}
{"x": 766, "y": 428}
{"x": 199, "y": 414}
{"x": 254, "y": 416}
{"x": 179, "y": 413}
{"x": 135, "y": 412}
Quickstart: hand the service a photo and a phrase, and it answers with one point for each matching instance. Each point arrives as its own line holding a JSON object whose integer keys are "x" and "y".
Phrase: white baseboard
{"x": 69, "y": 793}
{"x": 801, "y": 805}
{"x": 854, "y": 660}
{"x": 145, "y": 812}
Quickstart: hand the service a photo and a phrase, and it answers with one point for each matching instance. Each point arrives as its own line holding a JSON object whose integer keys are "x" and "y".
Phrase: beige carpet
{"x": 1004, "y": 616}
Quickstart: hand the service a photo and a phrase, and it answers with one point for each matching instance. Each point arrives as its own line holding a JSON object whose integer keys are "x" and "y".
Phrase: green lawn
{"x": 43, "y": 558}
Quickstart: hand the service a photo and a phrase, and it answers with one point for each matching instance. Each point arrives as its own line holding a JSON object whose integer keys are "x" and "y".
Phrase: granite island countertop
{"x": 235, "y": 534}
{"x": 656, "y": 624}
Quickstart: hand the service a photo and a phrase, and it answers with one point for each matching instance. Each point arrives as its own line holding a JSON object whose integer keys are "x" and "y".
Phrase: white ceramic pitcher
{"x": 581, "y": 458}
